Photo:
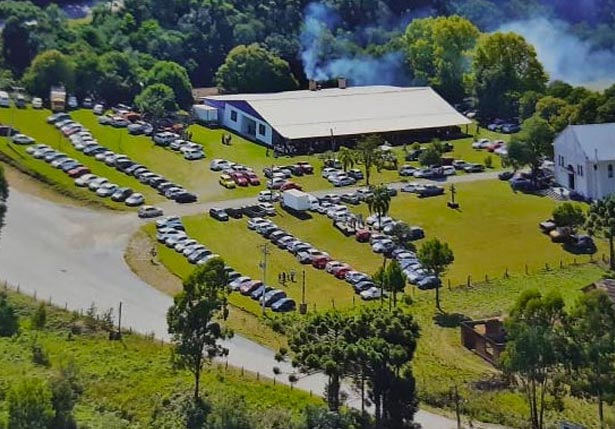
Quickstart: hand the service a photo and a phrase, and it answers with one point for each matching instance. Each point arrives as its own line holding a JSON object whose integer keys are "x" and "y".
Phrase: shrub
{"x": 39, "y": 317}
{"x": 39, "y": 355}
{"x": 9, "y": 323}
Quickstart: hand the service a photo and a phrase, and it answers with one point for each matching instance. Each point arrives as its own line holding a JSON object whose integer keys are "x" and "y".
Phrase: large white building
{"x": 341, "y": 112}
{"x": 584, "y": 158}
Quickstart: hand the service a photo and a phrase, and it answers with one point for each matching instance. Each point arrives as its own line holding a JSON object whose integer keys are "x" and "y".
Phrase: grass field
{"x": 441, "y": 361}
{"x": 495, "y": 231}
{"x": 193, "y": 175}
{"x": 124, "y": 381}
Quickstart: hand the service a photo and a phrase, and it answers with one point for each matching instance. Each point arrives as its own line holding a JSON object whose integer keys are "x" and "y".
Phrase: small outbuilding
{"x": 486, "y": 338}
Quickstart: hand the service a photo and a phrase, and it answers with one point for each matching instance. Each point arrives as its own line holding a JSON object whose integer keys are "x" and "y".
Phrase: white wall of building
{"x": 241, "y": 122}
{"x": 591, "y": 179}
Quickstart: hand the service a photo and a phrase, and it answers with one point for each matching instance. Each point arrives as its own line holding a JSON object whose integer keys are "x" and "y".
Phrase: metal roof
{"x": 351, "y": 111}
{"x": 596, "y": 140}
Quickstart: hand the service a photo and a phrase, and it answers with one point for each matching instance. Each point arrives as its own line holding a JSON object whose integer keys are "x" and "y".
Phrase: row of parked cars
{"x": 190, "y": 151}
{"x": 84, "y": 141}
{"x": 171, "y": 232}
{"x": 234, "y": 174}
{"x": 308, "y": 254}
{"x": 279, "y": 177}
{"x": 498, "y": 147}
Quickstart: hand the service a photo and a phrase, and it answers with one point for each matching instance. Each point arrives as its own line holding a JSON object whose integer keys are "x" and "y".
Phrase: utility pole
{"x": 265, "y": 250}
{"x": 119, "y": 321}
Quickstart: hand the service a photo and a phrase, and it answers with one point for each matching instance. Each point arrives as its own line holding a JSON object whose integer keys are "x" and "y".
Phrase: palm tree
{"x": 367, "y": 153}
{"x": 347, "y": 157}
{"x": 379, "y": 202}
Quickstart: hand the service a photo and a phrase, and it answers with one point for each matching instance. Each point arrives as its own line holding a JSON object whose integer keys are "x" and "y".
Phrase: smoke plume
{"x": 565, "y": 56}
{"x": 327, "y": 55}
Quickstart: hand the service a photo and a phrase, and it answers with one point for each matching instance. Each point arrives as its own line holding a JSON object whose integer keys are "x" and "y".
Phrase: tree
{"x": 319, "y": 344}
{"x": 527, "y": 103}
{"x": 254, "y": 69}
{"x": 532, "y": 144}
{"x": 29, "y": 405}
{"x": 436, "y": 256}
{"x": 118, "y": 81}
{"x": 193, "y": 319}
{"x": 395, "y": 280}
{"x": 601, "y": 222}
{"x": 438, "y": 51}
{"x": 229, "y": 413}
{"x": 347, "y": 157}
{"x": 569, "y": 215}
{"x": 382, "y": 346}
{"x": 532, "y": 355}
{"x": 367, "y": 153}
{"x": 504, "y": 67}
{"x": 556, "y": 111}
{"x": 9, "y": 323}
{"x": 430, "y": 156}
{"x": 156, "y": 101}
{"x": 4, "y": 195}
{"x": 49, "y": 68}
{"x": 39, "y": 317}
{"x": 65, "y": 391}
{"x": 590, "y": 359}
{"x": 379, "y": 202}
{"x": 175, "y": 77}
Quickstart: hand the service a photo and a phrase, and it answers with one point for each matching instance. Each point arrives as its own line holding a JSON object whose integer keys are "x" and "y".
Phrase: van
{"x": 20, "y": 102}
{"x": 5, "y": 101}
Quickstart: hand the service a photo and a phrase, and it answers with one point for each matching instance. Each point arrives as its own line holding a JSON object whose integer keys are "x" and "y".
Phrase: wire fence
{"x": 276, "y": 377}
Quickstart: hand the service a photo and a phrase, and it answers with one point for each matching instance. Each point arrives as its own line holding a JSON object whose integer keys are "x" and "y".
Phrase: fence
{"x": 220, "y": 365}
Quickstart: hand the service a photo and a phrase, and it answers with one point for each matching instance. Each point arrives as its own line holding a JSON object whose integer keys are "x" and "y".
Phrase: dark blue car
{"x": 283, "y": 305}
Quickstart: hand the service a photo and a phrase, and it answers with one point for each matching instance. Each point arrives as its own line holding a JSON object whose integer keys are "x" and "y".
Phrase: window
{"x": 560, "y": 160}
{"x": 579, "y": 169}
{"x": 610, "y": 170}
{"x": 234, "y": 115}
{"x": 261, "y": 129}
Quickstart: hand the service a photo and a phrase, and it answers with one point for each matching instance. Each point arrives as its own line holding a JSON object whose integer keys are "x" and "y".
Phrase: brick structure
{"x": 486, "y": 338}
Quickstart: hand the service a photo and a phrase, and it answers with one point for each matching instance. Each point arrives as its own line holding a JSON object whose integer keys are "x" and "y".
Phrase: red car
{"x": 362, "y": 235}
{"x": 341, "y": 272}
{"x": 320, "y": 262}
{"x": 495, "y": 145}
{"x": 239, "y": 179}
{"x": 78, "y": 172}
{"x": 252, "y": 178}
{"x": 306, "y": 167}
{"x": 248, "y": 287}
{"x": 290, "y": 185}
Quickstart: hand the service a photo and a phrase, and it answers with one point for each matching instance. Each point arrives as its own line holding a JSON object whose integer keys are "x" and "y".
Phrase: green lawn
{"x": 494, "y": 232}
{"x": 124, "y": 381}
{"x": 495, "y": 229}
{"x": 194, "y": 175}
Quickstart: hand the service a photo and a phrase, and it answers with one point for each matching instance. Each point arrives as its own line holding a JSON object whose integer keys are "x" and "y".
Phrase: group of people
{"x": 283, "y": 277}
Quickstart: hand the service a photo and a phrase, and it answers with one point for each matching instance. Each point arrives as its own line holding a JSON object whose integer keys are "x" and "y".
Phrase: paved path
{"x": 171, "y": 208}
{"x": 75, "y": 256}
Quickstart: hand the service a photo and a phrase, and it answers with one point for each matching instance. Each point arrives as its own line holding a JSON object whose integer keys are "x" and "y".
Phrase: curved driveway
{"x": 75, "y": 256}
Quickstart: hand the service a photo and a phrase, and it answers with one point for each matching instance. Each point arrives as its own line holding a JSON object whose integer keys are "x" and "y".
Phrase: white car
{"x": 97, "y": 183}
{"x": 33, "y": 149}
{"x": 22, "y": 139}
{"x": 412, "y": 187}
{"x": 481, "y": 144}
{"x": 326, "y": 172}
{"x": 268, "y": 208}
{"x": 371, "y": 293}
{"x": 165, "y": 138}
{"x": 268, "y": 196}
{"x": 85, "y": 180}
{"x": 37, "y": 103}
{"x": 220, "y": 164}
{"x": 383, "y": 246}
{"x": 135, "y": 200}
{"x": 337, "y": 210}
{"x": 72, "y": 102}
{"x": 236, "y": 284}
{"x": 106, "y": 190}
{"x": 332, "y": 265}
{"x": 275, "y": 183}
{"x": 98, "y": 109}
{"x": 258, "y": 222}
{"x": 194, "y": 154}
{"x": 449, "y": 170}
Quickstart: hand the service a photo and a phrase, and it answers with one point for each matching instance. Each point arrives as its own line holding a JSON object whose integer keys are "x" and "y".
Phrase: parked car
{"x": 430, "y": 191}
{"x": 184, "y": 197}
{"x": 121, "y": 194}
{"x": 429, "y": 282}
{"x": 22, "y": 139}
{"x": 306, "y": 167}
{"x": 106, "y": 190}
{"x": 407, "y": 170}
{"x": 164, "y": 138}
{"x": 283, "y": 305}
{"x": 147, "y": 212}
{"x": 226, "y": 181}
{"x": 372, "y": 293}
{"x": 356, "y": 174}
{"x": 474, "y": 168}
{"x": 37, "y": 103}
{"x": 219, "y": 214}
{"x": 135, "y": 200}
